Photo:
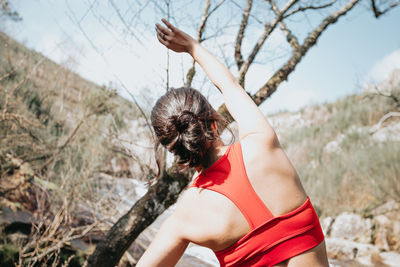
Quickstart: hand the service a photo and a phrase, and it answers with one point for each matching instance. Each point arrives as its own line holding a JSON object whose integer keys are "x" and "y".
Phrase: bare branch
{"x": 138, "y": 106}
{"x": 390, "y": 95}
{"x": 294, "y": 43}
{"x": 7, "y": 74}
{"x": 128, "y": 27}
{"x": 206, "y": 14}
{"x": 62, "y": 147}
{"x": 268, "y": 30}
{"x": 304, "y": 8}
{"x": 283, "y": 73}
{"x": 376, "y": 10}
{"x": 240, "y": 35}
{"x": 203, "y": 20}
{"x": 251, "y": 15}
{"x": 377, "y": 126}
{"x": 216, "y": 7}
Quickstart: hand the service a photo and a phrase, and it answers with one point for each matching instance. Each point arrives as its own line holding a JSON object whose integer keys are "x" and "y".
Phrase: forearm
{"x": 218, "y": 73}
{"x": 240, "y": 105}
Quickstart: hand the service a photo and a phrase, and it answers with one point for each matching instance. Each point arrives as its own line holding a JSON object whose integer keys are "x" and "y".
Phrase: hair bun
{"x": 183, "y": 120}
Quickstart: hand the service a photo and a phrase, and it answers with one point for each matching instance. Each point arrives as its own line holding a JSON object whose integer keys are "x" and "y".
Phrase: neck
{"x": 214, "y": 152}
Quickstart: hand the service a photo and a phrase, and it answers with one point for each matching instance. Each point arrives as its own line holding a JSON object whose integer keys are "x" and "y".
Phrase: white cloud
{"x": 381, "y": 70}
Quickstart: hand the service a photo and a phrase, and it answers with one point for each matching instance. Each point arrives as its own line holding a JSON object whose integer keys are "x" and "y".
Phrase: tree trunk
{"x": 158, "y": 198}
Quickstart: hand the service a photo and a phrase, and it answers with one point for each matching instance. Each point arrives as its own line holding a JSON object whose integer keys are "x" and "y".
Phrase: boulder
{"x": 334, "y": 145}
{"x": 353, "y": 227}
{"x": 339, "y": 248}
{"x": 381, "y": 231}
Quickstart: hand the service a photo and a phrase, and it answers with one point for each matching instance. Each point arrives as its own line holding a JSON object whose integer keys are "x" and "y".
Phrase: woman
{"x": 247, "y": 204}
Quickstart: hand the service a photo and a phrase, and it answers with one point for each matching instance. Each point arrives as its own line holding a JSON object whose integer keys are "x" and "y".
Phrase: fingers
{"x": 169, "y": 25}
{"x": 161, "y": 40}
{"x": 164, "y": 32}
{"x": 162, "y": 29}
{"x": 163, "y": 35}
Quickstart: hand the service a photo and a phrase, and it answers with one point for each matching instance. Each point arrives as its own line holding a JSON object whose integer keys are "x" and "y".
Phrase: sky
{"x": 96, "y": 43}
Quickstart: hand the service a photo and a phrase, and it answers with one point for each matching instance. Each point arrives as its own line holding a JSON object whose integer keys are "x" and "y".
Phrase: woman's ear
{"x": 214, "y": 126}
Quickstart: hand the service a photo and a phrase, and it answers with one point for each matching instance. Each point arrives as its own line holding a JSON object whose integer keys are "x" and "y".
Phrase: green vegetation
{"x": 359, "y": 173}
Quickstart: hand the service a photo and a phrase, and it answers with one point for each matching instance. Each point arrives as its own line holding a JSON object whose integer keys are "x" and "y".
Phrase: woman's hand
{"x": 173, "y": 38}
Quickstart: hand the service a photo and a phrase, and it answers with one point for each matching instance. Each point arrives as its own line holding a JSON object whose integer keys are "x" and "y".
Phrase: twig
{"x": 7, "y": 74}
{"x": 206, "y": 15}
{"x": 240, "y": 34}
{"x": 390, "y": 95}
{"x": 292, "y": 40}
{"x": 268, "y": 29}
{"x": 378, "y": 12}
{"x": 10, "y": 93}
{"x": 304, "y": 8}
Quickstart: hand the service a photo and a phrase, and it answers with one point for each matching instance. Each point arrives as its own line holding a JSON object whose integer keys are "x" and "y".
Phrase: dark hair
{"x": 182, "y": 121}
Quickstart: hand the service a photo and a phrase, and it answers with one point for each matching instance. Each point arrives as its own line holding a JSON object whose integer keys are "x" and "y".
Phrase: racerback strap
{"x": 228, "y": 177}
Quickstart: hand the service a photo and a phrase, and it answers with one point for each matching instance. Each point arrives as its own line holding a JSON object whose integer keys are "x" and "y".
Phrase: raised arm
{"x": 244, "y": 111}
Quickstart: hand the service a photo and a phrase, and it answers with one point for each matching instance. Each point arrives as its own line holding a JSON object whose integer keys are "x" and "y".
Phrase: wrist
{"x": 192, "y": 47}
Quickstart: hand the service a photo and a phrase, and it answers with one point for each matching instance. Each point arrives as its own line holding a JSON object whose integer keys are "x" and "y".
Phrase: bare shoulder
{"x": 195, "y": 209}
{"x": 209, "y": 219}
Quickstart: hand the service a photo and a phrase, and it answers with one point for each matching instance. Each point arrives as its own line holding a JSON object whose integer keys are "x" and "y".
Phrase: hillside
{"x": 347, "y": 160}
{"x": 58, "y": 134}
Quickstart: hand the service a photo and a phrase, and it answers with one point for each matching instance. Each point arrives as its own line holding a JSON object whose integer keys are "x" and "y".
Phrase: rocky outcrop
{"x": 372, "y": 240}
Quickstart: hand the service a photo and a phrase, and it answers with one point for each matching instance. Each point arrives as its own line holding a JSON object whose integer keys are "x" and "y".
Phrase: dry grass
{"x": 361, "y": 173}
{"x": 58, "y": 132}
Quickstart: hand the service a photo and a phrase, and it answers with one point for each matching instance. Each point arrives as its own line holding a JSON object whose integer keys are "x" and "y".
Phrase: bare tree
{"x": 166, "y": 190}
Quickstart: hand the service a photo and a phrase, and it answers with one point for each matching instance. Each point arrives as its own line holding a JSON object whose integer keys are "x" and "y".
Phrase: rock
{"x": 352, "y": 227}
{"x": 391, "y": 258}
{"x": 387, "y": 208}
{"x": 339, "y": 248}
{"x": 334, "y": 145}
{"x": 386, "y": 222}
{"x": 344, "y": 263}
{"x": 80, "y": 245}
{"x": 390, "y": 132}
{"x": 20, "y": 221}
{"x": 381, "y": 227}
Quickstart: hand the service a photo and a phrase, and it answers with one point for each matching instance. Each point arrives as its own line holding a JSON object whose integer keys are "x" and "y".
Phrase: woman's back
{"x": 218, "y": 220}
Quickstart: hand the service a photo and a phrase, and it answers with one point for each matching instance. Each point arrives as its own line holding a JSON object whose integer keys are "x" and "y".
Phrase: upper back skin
{"x": 213, "y": 221}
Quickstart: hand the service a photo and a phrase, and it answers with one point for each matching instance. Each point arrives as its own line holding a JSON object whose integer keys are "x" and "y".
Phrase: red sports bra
{"x": 271, "y": 239}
